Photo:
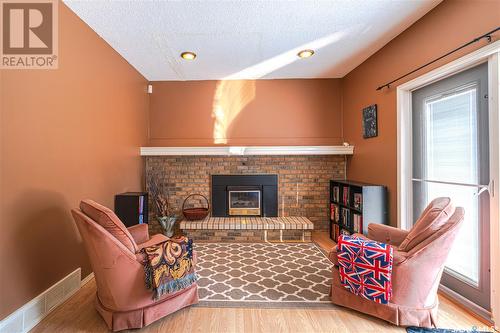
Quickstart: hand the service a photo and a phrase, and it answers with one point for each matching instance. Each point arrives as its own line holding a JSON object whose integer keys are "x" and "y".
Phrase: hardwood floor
{"x": 323, "y": 240}
{"x": 78, "y": 315}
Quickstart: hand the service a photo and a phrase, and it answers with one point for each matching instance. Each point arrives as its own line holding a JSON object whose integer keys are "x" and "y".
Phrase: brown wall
{"x": 450, "y": 24}
{"x": 264, "y": 112}
{"x": 66, "y": 134}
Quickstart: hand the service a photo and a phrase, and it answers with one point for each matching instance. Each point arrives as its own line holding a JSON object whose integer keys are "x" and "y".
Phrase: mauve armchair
{"x": 114, "y": 251}
{"x": 419, "y": 258}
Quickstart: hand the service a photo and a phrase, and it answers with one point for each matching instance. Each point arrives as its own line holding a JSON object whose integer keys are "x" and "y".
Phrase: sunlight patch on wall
{"x": 230, "y": 98}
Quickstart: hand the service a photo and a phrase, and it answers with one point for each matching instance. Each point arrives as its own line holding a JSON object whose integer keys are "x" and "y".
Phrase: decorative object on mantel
{"x": 164, "y": 213}
{"x": 370, "y": 121}
{"x": 195, "y": 213}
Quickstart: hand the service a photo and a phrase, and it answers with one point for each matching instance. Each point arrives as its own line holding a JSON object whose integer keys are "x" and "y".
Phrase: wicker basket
{"x": 196, "y": 213}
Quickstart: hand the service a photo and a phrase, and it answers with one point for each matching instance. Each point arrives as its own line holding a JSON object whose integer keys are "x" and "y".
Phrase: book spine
{"x": 356, "y": 222}
{"x": 141, "y": 204}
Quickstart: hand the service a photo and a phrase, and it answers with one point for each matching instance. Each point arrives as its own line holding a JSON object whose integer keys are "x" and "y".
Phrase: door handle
{"x": 482, "y": 188}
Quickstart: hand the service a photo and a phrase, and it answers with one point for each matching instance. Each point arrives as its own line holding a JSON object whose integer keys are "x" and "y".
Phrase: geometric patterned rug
{"x": 263, "y": 275}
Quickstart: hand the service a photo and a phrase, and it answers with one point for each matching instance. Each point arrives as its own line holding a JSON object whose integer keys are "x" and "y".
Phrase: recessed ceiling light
{"x": 188, "y": 55}
{"x": 305, "y": 53}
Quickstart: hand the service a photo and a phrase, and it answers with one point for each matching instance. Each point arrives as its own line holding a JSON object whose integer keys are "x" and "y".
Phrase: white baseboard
{"x": 86, "y": 279}
{"x": 485, "y": 314}
{"x": 26, "y": 317}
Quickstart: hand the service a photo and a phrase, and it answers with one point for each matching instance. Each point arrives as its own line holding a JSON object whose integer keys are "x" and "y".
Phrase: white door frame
{"x": 491, "y": 54}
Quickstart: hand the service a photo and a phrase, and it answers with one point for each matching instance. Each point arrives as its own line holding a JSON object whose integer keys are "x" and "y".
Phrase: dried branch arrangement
{"x": 159, "y": 197}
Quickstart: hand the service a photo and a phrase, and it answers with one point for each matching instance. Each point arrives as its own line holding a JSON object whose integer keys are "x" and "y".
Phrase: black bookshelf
{"x": 132, "y": 207}
{"x": 354, "y": 205}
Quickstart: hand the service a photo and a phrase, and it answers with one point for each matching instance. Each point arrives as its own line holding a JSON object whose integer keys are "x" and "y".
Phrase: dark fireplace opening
{"x": 244, "y": 195}
{"x": 244, "y": 200}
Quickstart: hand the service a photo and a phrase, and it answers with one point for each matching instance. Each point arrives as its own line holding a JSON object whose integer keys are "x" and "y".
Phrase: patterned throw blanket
{"x": 365, "y": 267}
{"x": 169, "y": 266}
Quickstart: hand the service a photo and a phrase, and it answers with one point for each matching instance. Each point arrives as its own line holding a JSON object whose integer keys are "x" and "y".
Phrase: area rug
{"x": 412, "y": 329}
{"x": 263, "y": 274}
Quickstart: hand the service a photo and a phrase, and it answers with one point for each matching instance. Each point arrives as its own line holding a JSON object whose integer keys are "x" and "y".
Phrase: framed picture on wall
{"x": 370, "y": 129}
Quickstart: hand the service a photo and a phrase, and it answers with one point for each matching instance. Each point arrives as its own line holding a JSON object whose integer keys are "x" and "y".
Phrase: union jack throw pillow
{"x": 365, "y": 267}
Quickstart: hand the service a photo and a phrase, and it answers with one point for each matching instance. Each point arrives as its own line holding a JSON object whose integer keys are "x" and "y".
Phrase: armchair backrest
{"x": 106, "y": 218}
{"x": 432, "y": 219}
{"x": 118, "y": 273}
{"x": 416, "y": 279}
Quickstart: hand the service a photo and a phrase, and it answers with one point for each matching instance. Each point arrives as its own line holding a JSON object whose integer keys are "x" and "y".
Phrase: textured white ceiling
{"x": 248, "y": 39}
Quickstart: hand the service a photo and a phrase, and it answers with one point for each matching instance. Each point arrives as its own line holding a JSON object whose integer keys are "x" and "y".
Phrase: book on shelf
{"x": 334, "y": 213}
{"x": 357, "y": 220}
{"x": 345, "y": 195}
{"x": 335, "y": 231}
{"x": 336, "y": 193}
{"x": 358, "y": 201}
{"x": 141, "y": 209}
{"x": 346, "y": 217}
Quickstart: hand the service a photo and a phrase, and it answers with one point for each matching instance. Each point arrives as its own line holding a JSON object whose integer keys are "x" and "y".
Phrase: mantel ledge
{"x": 248, "y": 150}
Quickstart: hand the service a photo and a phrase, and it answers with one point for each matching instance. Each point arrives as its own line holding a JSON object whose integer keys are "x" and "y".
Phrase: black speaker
{"x": 132, "y": 207}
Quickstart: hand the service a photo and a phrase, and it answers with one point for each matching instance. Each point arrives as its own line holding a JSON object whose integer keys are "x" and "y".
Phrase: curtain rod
{"x": 475, "y": 40}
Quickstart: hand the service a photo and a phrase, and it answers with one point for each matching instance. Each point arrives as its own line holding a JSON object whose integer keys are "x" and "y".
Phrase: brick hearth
{"x": 249, "y": 229}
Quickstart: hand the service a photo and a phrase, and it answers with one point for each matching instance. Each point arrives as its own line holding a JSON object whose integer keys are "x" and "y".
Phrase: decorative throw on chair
{"x": 169, "y": 266}
{"x": 365, "y": 267}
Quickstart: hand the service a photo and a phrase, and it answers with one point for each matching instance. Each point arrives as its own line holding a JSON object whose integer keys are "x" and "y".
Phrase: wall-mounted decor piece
{"x": 370, "y": 121}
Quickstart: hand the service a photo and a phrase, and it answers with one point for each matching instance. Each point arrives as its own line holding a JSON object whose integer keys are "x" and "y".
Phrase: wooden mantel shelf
{"x": 249, "y": 150}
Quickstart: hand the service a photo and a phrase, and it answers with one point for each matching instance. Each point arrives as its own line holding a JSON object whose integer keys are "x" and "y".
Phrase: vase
{"x": 167, "y": 223}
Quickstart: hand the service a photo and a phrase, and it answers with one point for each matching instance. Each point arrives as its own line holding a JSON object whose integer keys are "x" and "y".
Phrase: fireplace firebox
{"x": 244, "y": 200}
{"x": 244, "y": 195}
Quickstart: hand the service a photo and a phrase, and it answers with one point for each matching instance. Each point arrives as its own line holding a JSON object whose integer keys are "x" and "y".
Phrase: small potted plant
{"x": 164, "y": 213}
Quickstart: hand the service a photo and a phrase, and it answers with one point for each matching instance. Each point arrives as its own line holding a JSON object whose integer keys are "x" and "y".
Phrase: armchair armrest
{"x": 386, "y": 234}
{"x": 139, "y": 233}
{"x": 332, "y": 255}
{"x": 398, "y": 256}
{"x": 155, "y": 239}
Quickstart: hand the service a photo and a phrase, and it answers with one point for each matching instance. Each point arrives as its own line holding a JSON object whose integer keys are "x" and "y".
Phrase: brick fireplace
{"x": 303, "y": 180}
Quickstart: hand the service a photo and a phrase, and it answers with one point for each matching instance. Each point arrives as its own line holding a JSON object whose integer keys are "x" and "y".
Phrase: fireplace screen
{"x": 244, "y": 202}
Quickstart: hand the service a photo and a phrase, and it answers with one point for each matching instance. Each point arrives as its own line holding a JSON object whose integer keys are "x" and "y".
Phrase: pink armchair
{"x": 419, "y": 258}
{"x": 114, "y": 251}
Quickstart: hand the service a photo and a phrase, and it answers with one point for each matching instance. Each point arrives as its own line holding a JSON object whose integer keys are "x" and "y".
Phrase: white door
{"x": 451, "y": 158}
